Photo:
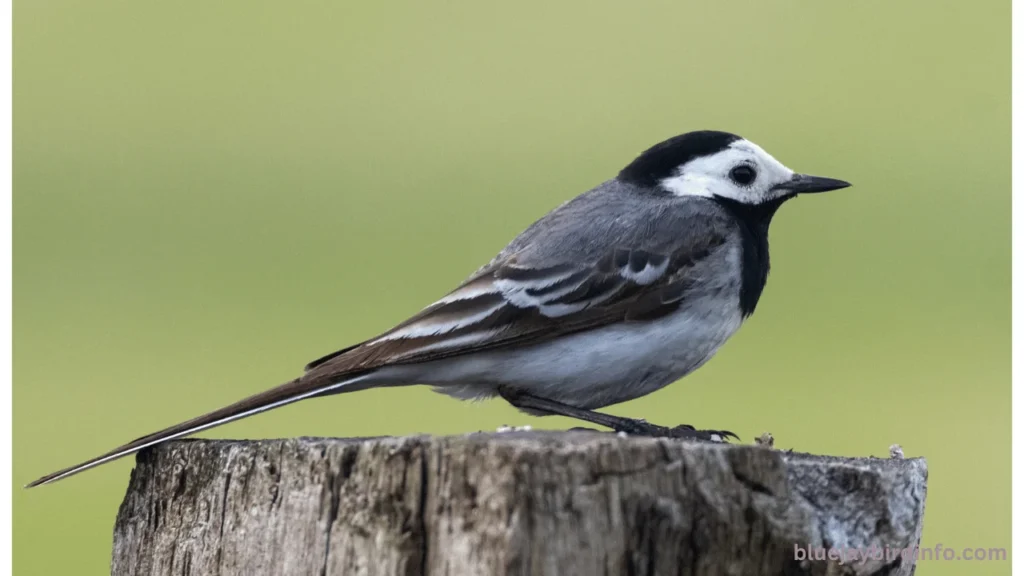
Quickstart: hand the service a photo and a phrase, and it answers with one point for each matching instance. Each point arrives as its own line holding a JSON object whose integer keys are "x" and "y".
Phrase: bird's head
{"x": 721, "y": 165}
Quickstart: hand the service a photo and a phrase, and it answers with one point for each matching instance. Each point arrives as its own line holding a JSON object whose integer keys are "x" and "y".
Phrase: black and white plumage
{"x": 611, "y": 296}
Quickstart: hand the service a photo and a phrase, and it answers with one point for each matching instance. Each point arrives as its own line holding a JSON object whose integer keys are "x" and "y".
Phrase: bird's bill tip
{"x": 807, "y": 184}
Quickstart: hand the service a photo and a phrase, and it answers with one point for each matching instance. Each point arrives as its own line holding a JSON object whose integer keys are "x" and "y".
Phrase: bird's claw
{"x": 683, "y": 431}
{"x": 707, "y": 435}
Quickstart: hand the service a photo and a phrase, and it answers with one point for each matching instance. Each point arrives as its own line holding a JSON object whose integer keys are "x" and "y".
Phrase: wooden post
{"x": 546, "y": 503}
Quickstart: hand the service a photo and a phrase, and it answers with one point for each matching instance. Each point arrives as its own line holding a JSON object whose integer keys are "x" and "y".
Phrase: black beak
{"x": 804, "y": 184}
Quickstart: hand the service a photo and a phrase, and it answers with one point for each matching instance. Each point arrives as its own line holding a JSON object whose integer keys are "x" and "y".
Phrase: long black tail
{"x": 287, "y": 393}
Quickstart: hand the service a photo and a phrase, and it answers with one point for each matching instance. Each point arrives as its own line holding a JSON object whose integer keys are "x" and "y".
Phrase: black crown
{"x": 661, "y": 160}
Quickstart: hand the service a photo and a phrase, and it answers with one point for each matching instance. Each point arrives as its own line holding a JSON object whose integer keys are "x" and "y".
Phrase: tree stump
{"x": 547, "y": 503}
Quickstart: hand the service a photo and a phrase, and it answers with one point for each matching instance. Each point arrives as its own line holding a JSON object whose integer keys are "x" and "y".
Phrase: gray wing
{"x": 604, "y": 257}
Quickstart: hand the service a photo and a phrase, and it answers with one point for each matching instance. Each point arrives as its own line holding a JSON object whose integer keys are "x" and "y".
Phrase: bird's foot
{"x": 683, "y": 431}
{"x": 621, "y": 425}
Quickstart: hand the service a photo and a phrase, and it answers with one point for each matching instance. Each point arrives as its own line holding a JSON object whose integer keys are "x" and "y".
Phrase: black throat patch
{"x": 753, "y": 221}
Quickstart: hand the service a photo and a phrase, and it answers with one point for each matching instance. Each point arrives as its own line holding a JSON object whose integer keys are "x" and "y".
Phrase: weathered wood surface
{"x": 514, "y": 503}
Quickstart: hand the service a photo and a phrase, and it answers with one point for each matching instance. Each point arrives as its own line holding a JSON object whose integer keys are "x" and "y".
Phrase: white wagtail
{"x": 611, "y": 296}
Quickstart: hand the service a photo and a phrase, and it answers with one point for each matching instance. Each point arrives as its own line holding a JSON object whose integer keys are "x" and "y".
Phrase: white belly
{"x": 590, "y": 369}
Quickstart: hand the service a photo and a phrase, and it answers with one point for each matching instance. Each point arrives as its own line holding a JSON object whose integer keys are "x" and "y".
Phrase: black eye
{"x": 743, "y": 175}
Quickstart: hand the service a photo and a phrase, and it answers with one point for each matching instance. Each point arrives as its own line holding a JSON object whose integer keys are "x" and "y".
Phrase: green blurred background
{"x": 209, "y": 194}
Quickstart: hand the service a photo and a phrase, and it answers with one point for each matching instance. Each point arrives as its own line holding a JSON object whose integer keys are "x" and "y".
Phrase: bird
{"x": 611, "y": 296}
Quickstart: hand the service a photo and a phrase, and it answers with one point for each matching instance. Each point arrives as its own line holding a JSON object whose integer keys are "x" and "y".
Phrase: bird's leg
{"x": 526, "y": 401}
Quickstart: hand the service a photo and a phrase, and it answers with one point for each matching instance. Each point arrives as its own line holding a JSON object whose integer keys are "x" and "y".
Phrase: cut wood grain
{"x": 546, "y": 503}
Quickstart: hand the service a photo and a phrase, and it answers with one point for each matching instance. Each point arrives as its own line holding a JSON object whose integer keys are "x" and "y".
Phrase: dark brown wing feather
{"x": 600, "y": 291}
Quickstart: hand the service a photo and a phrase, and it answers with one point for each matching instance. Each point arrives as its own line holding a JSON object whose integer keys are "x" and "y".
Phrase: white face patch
{"x": 709, "y": 175}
